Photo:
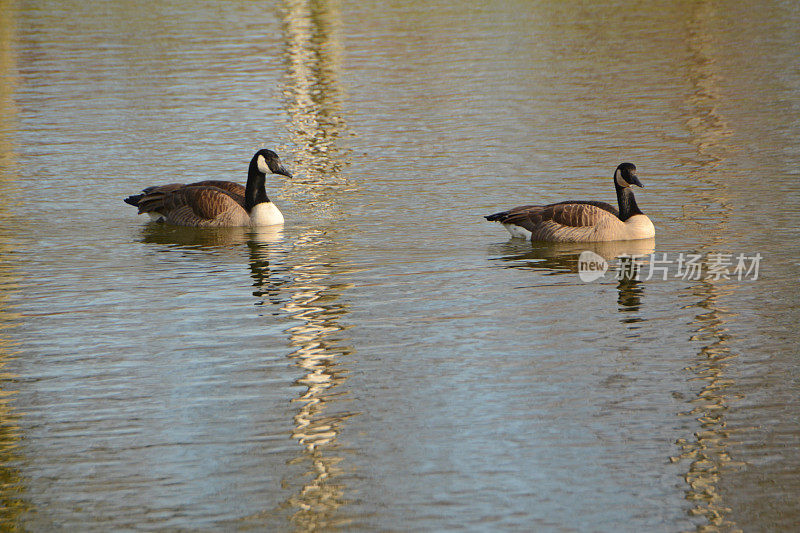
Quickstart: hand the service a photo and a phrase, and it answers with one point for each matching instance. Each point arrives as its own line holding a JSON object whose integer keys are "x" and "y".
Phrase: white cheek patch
{"x": 262, "y": 164}
{"x": 618, "y": 179}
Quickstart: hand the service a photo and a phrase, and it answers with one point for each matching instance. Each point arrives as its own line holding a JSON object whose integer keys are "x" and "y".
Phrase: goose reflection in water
{"x": 187, "y": 237}
{"x": 562, "y": 258}
{"x": 630, "y": 290}
{"x": 264, "y": 244}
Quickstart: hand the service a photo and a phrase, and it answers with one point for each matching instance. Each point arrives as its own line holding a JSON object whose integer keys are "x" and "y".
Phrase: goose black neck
{"x": 627, "y": 203}
{"x": 254, "y": 192}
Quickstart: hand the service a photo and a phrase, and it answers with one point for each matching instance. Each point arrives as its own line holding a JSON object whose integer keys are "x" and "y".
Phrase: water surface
{"x": 388, "y": 360}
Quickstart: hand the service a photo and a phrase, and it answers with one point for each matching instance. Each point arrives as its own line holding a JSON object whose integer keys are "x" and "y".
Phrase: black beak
{"x": 634, "y": 180}
{"x": 282, "y": 170}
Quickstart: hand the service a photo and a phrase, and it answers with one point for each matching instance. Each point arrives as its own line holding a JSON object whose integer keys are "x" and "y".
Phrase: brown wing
{"x": 194, "y": 206}
{"x": 577, "y": 214}
{"x": 163, "y": 188}
{"x": 228, "y": 186}
{"x": 150, "y": 194}
{"x": 573, "y": 214}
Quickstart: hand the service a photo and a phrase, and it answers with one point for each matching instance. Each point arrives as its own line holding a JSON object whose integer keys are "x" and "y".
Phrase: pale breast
{"x": 640, "y": 227}
{"x": 265, "y": 214}
{"x": 613, "y": 229}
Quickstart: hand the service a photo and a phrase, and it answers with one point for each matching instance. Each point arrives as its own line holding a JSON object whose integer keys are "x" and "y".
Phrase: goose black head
{"x": 268, "y": 161}
{"x": 625, "y": 176}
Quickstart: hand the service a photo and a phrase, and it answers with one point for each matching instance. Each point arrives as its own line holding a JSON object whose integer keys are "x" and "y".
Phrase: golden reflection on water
{"x": 8, "y": 82}
{"x": 307, "y": 294}
{"x": 707, "y": 452}
{"x": 707, "y": 208}
{"x": 313, "y": 99}
{"x": 319, "y": 349}
{"x": 12, "y": 485}
{"x": 13, "y": 504}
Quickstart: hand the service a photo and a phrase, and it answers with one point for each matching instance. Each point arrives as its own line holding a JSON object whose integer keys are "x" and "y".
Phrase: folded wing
{"x": 571, "y": 213}
{"x": 564, "y": 220}
{"x": 198, "y": 205}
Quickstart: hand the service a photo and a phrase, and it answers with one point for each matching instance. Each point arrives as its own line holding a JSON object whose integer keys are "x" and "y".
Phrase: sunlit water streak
{"x": 320, "y": 353}
{"x": 14, "y": 503}
{"x": 312, "y": 95}
{"x": 13, "y": 500}
{"x": 708, "y": 452}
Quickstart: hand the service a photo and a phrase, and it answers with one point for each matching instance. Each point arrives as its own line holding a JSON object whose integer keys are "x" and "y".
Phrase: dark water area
{"x": 388, "y": 360}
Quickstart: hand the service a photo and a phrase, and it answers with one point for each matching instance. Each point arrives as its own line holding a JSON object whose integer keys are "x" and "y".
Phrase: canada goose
{"x": 214, "y": 203}
{"x": 582, "y": 221}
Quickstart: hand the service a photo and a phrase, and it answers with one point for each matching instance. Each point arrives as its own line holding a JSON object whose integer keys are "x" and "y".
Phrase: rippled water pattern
{"x": 388, "y": 360}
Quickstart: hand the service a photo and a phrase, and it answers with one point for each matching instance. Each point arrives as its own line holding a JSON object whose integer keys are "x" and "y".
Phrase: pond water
{"x": 388, "y": 360}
